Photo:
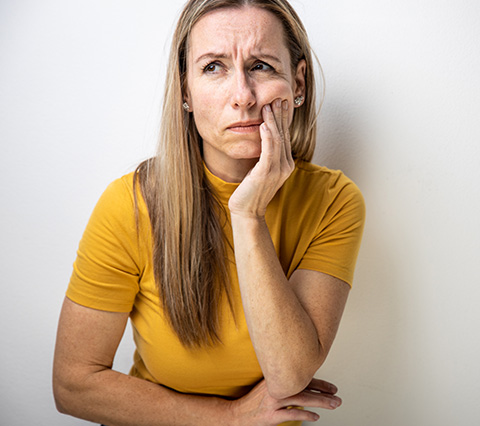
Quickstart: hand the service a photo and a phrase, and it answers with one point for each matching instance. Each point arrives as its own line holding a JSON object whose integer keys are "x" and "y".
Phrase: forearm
{"x": 115, "y": 399}
{"x": 284, "y": 337}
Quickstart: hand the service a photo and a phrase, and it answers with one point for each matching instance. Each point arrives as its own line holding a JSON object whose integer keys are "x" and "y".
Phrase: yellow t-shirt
{"x": 315, "y": 221}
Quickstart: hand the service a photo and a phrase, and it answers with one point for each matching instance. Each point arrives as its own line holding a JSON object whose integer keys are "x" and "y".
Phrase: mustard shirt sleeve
{"x": 335, "y": 246}
{"x": 107, "y": 268}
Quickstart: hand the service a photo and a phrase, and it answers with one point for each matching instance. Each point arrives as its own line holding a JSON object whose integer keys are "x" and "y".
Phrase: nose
{"x": 243, "y": 93}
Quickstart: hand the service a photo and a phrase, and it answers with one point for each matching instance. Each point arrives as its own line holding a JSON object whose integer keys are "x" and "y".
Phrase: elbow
{"x": 72, "y": 387}
{"x": 60, "y": 396}
{"x": 291, "y": 381}
{"x": 280, "y": 390}
{"x": 67, "y": 392}
{"x": 63, "y": 383}
{"x": 61, "y": 408}
{"x": 288, "y": 385}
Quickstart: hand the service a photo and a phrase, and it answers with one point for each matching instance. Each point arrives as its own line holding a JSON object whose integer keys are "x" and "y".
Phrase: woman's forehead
{"x": 229, "y": 30}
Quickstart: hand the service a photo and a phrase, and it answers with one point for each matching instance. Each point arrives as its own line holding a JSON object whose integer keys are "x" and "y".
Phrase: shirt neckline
{"x": 223, "y": 189}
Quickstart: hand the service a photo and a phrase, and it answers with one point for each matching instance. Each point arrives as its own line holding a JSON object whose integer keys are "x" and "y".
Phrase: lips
{"x": 245, "y": 126}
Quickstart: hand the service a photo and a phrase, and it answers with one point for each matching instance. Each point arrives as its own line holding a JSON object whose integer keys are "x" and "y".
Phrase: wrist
{"x": 259, "y": 215}
{"x": 219, "y": 411}
{"x": 248, "y": 227}
{"x": 247, "y": 219}
{"x": 231, "y": 413}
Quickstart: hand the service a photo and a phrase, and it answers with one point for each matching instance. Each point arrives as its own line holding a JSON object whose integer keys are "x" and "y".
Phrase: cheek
{"x": 282, "y": 90}
{"x": 205, "y": 116}
{"x": 204, "y": 107}
{"x": 276, "y": 89}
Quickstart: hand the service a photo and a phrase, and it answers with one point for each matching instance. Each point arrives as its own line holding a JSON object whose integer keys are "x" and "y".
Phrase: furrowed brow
{"x": 210, "y": 56}
{"x": 270, "y": 58}
{"x": 214, "y": 55}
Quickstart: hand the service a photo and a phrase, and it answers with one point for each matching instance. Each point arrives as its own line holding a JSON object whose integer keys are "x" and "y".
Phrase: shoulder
{"x": 110, "y": 256}
{"x": 120, "y": 195}
{"x": 318, "y": 183}
{"x": 324, "y": 211}
{"x": 121, "y": 189}
{"x": 118, "y": 211}
{"x": 118, "y": 218}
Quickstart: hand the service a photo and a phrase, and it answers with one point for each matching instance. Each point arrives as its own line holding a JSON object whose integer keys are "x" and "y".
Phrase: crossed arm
{"x": 85, "y": 385}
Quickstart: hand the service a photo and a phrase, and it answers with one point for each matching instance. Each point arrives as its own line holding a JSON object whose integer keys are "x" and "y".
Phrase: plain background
{"x": 80, "y": 87}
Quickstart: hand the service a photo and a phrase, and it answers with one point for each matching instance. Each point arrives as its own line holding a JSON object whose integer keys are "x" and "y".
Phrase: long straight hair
{"x": 190, "y": 252}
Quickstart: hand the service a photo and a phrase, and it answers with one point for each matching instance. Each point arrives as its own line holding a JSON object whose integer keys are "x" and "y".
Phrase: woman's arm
{"x": 292, "y": 323}
{"x": 85, "y": 386}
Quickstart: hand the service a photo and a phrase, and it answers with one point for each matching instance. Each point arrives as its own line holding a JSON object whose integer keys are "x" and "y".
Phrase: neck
{"x": 233, "y": 172}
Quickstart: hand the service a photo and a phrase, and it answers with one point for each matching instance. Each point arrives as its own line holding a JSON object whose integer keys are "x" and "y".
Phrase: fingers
{"x": 270, "y": 136}
{"x": 286, "y": 133}
{"x": 266, "y": 136}
{"x": 319, "y": 394}
{"x": 276, "y": 120}
{"x": 308, "y": 398}
{"x": 296, "y": 414}
{"x": 322, "y": 386}
{"x": 278, "y": 112}
{"x": 285, "y": 123}
{"x": 259, "y": 405}
{"x": 292, "y": 410}
{"x": 273, "y": 115}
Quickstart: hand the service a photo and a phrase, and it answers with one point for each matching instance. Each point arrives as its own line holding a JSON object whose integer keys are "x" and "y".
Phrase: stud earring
{"x": 299, "y": 100}
{"x": 186, "y": 107}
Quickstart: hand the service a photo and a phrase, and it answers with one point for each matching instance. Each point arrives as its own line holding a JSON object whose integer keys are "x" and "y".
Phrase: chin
{"x": 247, "y": 151}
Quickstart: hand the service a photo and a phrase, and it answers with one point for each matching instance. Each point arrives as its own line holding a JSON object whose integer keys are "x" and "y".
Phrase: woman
{"x": 231, "y": 253}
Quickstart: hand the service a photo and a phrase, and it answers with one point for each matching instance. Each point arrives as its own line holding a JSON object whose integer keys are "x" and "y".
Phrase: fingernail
{"x": 285, "y": 105}
{"x": 278, "y": 103}
{"x": 335, "y": 402}
{"x": 268, "y": 108}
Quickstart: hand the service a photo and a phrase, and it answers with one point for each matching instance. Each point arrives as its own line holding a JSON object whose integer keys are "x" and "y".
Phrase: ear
{"x": 186, "y": 93}
{"x": 186, "y": 98}
{"x": 299, "y": 78}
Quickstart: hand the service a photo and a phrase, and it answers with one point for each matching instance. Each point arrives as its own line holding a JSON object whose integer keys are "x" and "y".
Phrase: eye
{"x": 211, "y": 68}
{"x": 262, "y": 66}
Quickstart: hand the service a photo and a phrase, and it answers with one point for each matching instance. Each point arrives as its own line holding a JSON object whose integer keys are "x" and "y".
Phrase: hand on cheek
{"x": 275, "y": 165}
{"x": 275, "y": 135}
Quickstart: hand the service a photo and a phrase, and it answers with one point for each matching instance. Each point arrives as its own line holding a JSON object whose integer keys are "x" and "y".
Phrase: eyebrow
{"x": 213, "y": 55}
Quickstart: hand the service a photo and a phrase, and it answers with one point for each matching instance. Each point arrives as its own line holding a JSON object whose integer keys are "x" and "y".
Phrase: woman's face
{"x": 237, "y": 62}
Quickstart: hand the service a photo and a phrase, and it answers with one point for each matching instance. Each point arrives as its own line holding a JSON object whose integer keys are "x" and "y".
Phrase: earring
{"x": 186, "y": 107}
{"x": 299, "y": 100}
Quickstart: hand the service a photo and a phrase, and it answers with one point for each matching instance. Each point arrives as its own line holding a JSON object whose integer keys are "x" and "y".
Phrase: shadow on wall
{"x": 340, "y": 144}
{"x": 366, "y": 356}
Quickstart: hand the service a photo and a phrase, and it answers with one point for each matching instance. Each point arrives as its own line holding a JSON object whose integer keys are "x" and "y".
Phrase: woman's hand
{"x": 258, "y": 408}
{"x": 275, "y": 165}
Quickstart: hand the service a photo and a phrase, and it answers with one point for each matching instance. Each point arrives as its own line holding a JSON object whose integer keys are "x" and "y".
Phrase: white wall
{"x": 79, "y": 90}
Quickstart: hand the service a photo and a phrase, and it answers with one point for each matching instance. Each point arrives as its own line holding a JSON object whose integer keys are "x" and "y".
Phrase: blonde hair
{"x": 190, "y": 259}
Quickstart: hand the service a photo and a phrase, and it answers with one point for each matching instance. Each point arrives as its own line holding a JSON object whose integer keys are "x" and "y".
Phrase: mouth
{"x": 245, "y": 126}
